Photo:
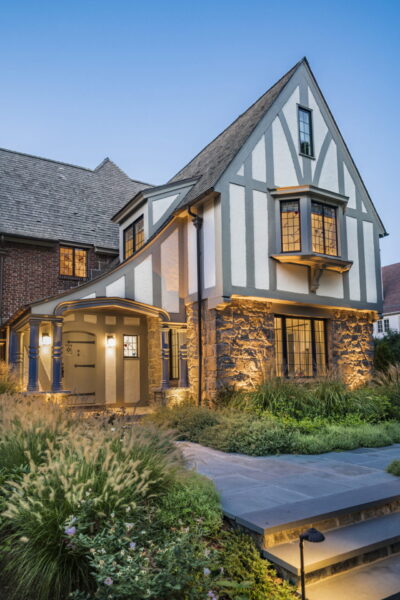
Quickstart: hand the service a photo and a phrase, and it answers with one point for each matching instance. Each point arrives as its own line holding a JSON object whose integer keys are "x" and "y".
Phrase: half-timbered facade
{"x": 260, "y": 257}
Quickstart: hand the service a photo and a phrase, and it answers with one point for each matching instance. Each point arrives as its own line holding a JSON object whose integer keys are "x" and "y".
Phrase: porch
{"x": 101, "y": 352}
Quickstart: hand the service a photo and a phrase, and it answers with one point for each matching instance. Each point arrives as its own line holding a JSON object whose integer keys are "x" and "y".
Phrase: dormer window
{"x": 305, "y": 132}
{"x": 133, "y": 237}
{"x": 324, "y": 229}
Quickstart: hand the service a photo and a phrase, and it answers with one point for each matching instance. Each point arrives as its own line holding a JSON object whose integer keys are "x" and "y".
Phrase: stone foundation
{"x": 351, "y": 346}
{"x": 238, "y": 346}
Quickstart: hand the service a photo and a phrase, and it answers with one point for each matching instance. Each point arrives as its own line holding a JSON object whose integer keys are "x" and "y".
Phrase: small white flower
{"x": 24, "y": 539}
{"x": 206, "y": 571}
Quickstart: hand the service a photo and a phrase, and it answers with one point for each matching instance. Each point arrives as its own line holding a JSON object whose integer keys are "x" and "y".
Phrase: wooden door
{"x": 79, "y": 362}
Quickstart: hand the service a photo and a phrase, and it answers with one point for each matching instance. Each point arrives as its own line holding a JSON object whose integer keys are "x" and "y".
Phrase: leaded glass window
{"x": 300, "y": 347}
{"x": 380, "y": 326}
{"x": 305, "y": 132}
{"x": 131, "y": 346}
{"x": 290, "y": 226}
{"x": 134, "y": 237}
{"x": 324, "y": 230}
{"x": 73, "y": 262}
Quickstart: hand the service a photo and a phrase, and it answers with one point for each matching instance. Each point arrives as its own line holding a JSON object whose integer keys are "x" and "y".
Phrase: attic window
{"x": 134, "y": 237}
{"x": 73, "y": 262}
{"x": 305, "y": 132}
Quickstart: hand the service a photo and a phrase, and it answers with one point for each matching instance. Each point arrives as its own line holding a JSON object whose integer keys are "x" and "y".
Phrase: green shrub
{"x": 186, "y": 420}
{"x": 242, "y": 564}
{"x": 394, "y": 468}
{"x": 387, "y": 350}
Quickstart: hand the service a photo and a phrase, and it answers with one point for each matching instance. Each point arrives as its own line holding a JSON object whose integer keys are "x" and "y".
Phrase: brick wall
{"x": 31, "y": 272}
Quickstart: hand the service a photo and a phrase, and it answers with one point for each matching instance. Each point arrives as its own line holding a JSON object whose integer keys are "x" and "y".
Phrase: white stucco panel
{"x": 209, "y": 245}
{"x": 353, "y": 254}
{"x": 143, "y": 278}
{"x": 331, "y": 285}
{"x": 192, "y": 257}
{"x": 93, "y": 295}
{"x": 369, "y": 257}
{"x": 261, "y": 259}
{"x": 292, "y": 278}
{"x": 259, "y": 162}
{"x": 284, "y": 170}
{"x": 170, "y": 273}
{"x": 161, "y": 206}
{"x": 329, "y": 175}
{"x": 240, "y": 171}
{"x": 116, "y": 289}
{"x": 290, "y": 114}
{"x": 237, "y": 212}
{"x": 349, "y": 188}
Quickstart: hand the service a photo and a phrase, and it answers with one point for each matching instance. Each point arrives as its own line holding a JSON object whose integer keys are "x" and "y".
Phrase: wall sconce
{"x": 46, "y": 339}
{"x": 110, "y": 341}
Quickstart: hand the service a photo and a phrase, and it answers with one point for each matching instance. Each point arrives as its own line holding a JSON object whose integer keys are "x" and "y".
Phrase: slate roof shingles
{"x": 46, "y": 199}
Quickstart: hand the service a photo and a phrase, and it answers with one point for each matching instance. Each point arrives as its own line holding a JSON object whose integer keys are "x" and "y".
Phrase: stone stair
{"x": 360, "y": 557}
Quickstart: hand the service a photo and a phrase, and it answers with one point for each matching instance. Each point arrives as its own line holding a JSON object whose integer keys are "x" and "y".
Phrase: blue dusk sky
{"x": 151, "y": 83}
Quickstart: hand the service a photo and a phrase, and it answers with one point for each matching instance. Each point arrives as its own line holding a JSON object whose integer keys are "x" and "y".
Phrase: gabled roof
{"x": 391, "y": 288}
{"x": 214, "y": 159}
{"x": 51, "y": 200}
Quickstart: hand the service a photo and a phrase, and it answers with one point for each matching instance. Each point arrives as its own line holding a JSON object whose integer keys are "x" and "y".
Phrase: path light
{"x": 46, "y": 339}
{"x": 311, "y": 535}
{"x": 111, "y": 342}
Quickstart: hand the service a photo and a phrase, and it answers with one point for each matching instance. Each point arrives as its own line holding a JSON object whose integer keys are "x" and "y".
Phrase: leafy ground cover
{"x": 93, "y": 510}
{"x": 394, "y": 468}
{"x": 282, "y": 416}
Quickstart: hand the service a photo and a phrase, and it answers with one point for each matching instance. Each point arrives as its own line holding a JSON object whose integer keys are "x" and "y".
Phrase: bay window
{"x": 324, "y": 230}
{"x": 290, "y": 226}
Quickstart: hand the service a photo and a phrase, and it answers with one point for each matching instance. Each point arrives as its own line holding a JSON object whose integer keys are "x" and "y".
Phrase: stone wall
{"x": 238, "y": 346}
{"x": 154, "y": 355}
{"x": 351, "y": 346}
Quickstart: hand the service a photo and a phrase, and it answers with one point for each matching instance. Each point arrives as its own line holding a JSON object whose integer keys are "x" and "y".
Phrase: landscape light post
{"x": 311, "y": 535}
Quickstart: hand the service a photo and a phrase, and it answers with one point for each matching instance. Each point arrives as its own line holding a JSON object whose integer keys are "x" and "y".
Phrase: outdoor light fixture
{"x": 111, "y": 341}
{"x": 311, "y": 535}
{"x": 46, "y": 339}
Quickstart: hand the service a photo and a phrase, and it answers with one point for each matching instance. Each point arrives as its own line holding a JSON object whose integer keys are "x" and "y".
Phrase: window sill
{"x": 307, "y": 155}
{"x": 321, "y": 261}
{"x": 73, "y": 278}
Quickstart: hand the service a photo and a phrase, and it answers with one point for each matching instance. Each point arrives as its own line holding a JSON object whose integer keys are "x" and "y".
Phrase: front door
{"x": 79, "y": 362}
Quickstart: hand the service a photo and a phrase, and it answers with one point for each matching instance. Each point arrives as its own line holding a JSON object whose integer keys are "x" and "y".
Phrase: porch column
{"x": 19, "y": 356}
{"x": 183, "y": 368}
{"x": 12, "y": 348}
{"x": 165, "y": 358}
{"x": 33, "y": 370}
{"x": 56, "y": 384}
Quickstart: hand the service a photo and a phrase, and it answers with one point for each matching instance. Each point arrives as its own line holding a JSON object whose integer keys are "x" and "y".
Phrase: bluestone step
{"x": 296, "y": 515}
{"x": 339, "y": 546}
{"x": 377, "y": 581}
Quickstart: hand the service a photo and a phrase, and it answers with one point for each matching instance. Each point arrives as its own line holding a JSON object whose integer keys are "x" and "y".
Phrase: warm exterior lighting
{"x": 111, "y": 342}
{"x": 314, "y": 536}
{"x": 46, "y": 339}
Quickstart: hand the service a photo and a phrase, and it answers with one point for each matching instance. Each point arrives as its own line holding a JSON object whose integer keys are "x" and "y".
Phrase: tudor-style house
{"x": 55, "y": 226}
{"x": 259, "y": 257}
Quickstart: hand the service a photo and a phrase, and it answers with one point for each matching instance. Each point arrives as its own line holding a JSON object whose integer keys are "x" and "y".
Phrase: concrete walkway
{"x": 248, "y": 483}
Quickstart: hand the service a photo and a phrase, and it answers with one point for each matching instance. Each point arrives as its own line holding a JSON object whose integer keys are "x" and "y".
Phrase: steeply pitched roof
{"x": 391, "y": 288}
{"x": 51, "y": 200}
{"x": 213, "y": 160}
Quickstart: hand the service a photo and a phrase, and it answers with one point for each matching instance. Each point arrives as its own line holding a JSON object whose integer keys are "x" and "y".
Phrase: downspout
{"x": 198, "y": 222}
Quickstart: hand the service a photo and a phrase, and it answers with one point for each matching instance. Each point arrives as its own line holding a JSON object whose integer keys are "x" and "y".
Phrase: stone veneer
{"x": 238, "y": 346}
{"x": 351, "y": 346}
{"x": 154, "y": 355}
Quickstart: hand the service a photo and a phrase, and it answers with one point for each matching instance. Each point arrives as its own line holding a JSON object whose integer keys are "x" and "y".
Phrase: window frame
{"x": 380, "y": 325}
{"x": 300, "y": 108}
{"x": 124, "y": 335}
{"x": 386, "y": 325}
{"x": 73, "y": 275}
{"x": 281, "y": 225}
{"x": 174, "y": 369}
{"x": 324, "y": 204}
{"x": 312, "y": 320}
{"x": 132, "y": 228}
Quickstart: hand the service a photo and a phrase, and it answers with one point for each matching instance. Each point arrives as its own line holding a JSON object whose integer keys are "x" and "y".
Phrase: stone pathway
{"x": 248, "y": 483}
